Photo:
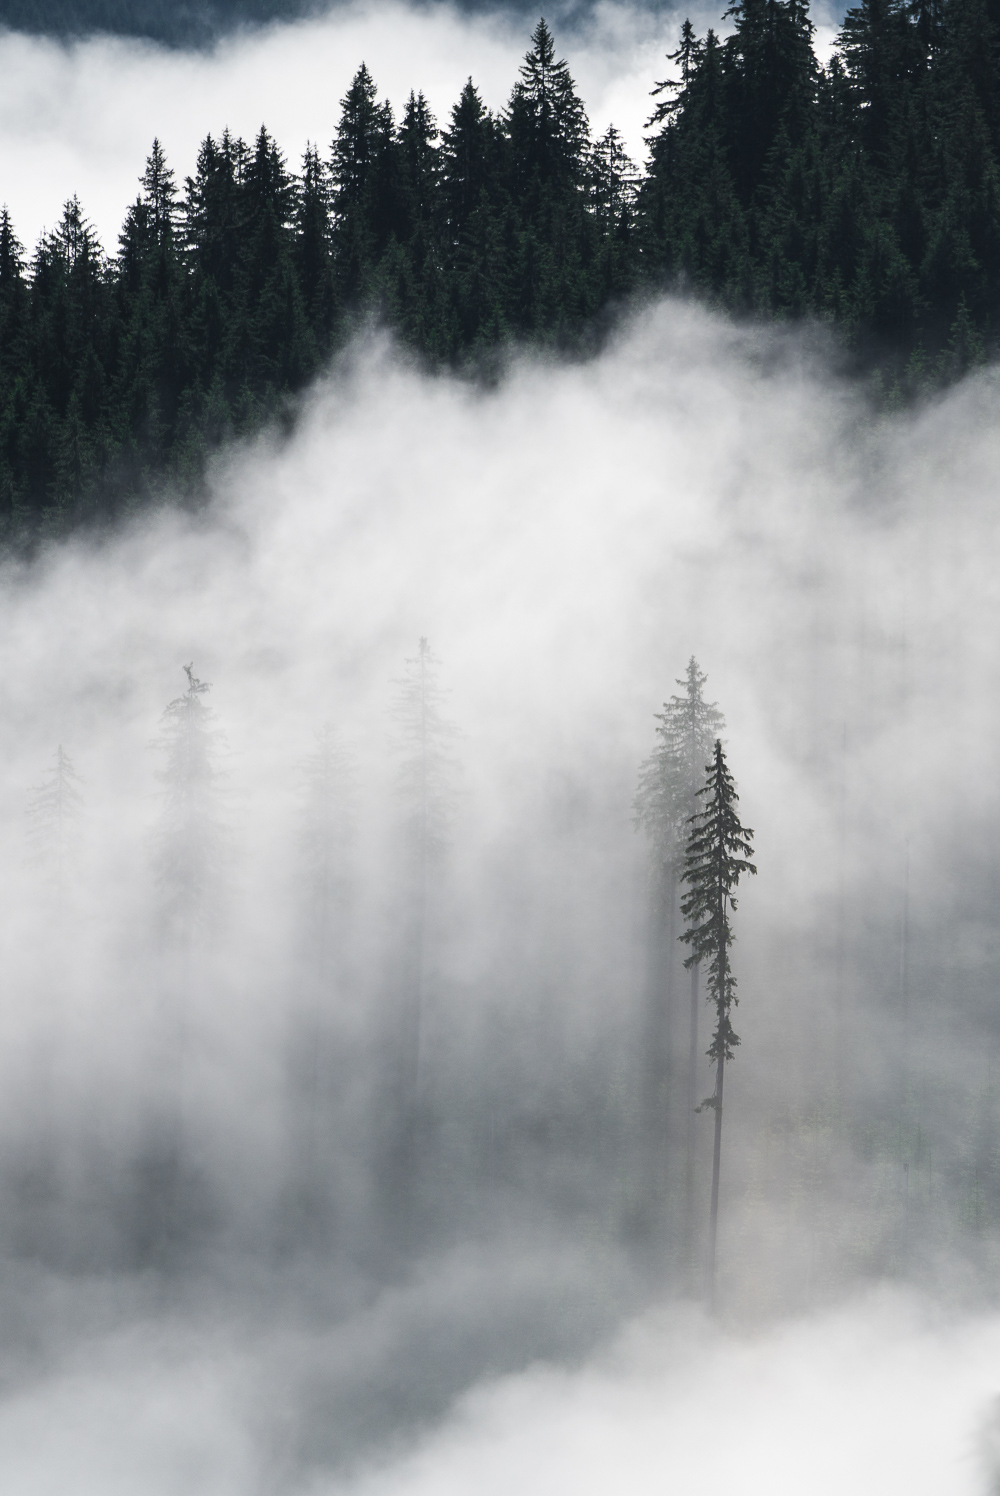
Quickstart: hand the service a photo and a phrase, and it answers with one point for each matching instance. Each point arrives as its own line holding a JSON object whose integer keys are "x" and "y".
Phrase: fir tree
{"x": 190, "y": 840}
{"x": 468, "y": 165}
{"x": 666, "y": 799}
{"x": 54, "y": 811}
{"x": 426, "y": 788}
{"x": 546, "y": 123}
{"x": 159, "y": 193}
{"x": 718, "y": 854}
{"x": 329, "y": 778}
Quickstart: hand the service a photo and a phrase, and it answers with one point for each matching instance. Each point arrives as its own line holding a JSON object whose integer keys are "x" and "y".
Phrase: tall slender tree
{"x": 327, "y": 835}
{"x": 54, "y": 810}
{"x": 190, "y": 834}
{"x": 666, "y": 799}
{"x": 426, "y": 787}
{"x": 169, "y": 1198}
{"x": 718, "y": 854}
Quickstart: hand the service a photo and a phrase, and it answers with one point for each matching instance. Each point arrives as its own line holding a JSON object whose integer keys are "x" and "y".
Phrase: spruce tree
{"x": 718, "y": 853}
{"x": 467, "y": 165}
{"x": 54, "y": 810}
{"x": 546, "y": 123}
{"x": 425, "y": 784}
{"x": 326, "y": 839}
{"x": 329, "y": 777}
{"x": 188, "y": 855}
{"x": 187, "y": 861}
{"x": 666, "y": 798}
{"x": 312, "y": 245}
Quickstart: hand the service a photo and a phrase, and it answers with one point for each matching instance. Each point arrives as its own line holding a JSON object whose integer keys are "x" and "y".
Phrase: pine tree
{"x": 419, "y": 163}
{"x": 546, "y": 123}
{"x": 613, "y": 178}
{"x": 353, "y": 150}
{"x": 326, "y": 842}
{"x": 54, "y": 810}
{"x": 190, "y": 840}
{"x": 329, "y": 778}
{"x": 159, "y": 193}
{"x": 312, "y": 246}
{"x": 426, "y": 787}
{"x": 718, "y": 854}
{"x": 468, "y": 151}
{"x": 666, "y": 798}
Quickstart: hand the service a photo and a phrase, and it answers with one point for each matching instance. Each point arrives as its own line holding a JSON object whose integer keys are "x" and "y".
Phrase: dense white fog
{"x": 309, "y": 1186}
{"x": 214, "y": 1231}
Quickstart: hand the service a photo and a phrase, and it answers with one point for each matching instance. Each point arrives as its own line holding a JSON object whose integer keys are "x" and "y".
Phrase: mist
{"x": 254, "y": 1240}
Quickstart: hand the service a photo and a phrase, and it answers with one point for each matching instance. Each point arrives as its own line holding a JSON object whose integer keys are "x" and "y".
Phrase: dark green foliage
{"x": 865, "y": 195}
{"x": 718, "y": 854}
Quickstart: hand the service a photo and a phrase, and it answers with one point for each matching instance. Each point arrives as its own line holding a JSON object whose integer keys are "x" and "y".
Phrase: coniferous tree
{"x": 169, "y": 1195}
{"x": 426, "y": 787}
{"x": 329, "y": 778}
{"x": 54, "y": 811}
{"x": 718, "y": 854}
{"x": 666, "y": 798}
{"x": 189, "y": 850}
{"x": 326, "y": 842}
{"x": 468, "y": 165}
{"x": 864, "y": 194}
{"x": 312, "y": 246}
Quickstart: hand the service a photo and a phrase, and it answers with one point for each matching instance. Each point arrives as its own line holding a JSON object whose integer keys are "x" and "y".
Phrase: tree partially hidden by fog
{"x": 189, "y": 842}
{"x": 425, "y": 785}
{"x": 169, "y": 1195}
{"x": 327, "y": 834}
{"x": 666, "y": 799}
{"x": 718, "y": 854}
{"x": 54, "y": 810}
{"x": 772, "y": 186}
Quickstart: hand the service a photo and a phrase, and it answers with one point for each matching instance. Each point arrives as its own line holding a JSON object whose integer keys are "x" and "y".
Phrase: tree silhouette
{"x": 54, "y": 810}
{"x": 665, "y": 801}
{"x": 190, "y": 838}
{"x": 717, "y": 856}
{"x": 425, "y": 785}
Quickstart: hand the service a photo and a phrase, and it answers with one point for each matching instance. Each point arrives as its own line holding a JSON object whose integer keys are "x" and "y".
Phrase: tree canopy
{"x": 864, "y": 194}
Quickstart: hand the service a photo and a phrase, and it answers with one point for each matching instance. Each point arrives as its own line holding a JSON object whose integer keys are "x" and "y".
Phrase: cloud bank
{"x": 566, "y": 541}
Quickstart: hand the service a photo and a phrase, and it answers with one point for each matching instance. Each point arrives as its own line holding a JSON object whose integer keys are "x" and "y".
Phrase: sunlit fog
{"x": 356, "y": 1120}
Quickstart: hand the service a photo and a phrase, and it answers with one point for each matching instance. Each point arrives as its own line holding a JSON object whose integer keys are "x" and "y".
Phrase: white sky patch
{"x": 80, "y": 117}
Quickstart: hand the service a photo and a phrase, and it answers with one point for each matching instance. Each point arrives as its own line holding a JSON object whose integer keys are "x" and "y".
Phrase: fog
{"x": 310, "y": 1185}
{"x": 251, "y": 1238}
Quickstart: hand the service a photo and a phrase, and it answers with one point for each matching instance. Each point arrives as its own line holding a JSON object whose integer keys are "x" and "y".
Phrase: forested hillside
{"x": 183, "y": 23}
{"x": 865, "y": 194}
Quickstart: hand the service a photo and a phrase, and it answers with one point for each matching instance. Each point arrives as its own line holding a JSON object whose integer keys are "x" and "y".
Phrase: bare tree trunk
{"x": 692, "y": 1102}
{"x": 713, "y": 1219}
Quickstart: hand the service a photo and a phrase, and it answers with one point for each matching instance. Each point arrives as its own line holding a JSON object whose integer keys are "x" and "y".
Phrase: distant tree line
{"x": 180, "y": 23}
{"x": 865, "y": 194}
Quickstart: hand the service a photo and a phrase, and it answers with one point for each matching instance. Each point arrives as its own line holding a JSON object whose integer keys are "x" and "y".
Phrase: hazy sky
{"x": 80, "y": 117}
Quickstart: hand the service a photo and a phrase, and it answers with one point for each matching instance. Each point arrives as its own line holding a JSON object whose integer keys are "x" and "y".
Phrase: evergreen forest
{"x": 864, "y": 195}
